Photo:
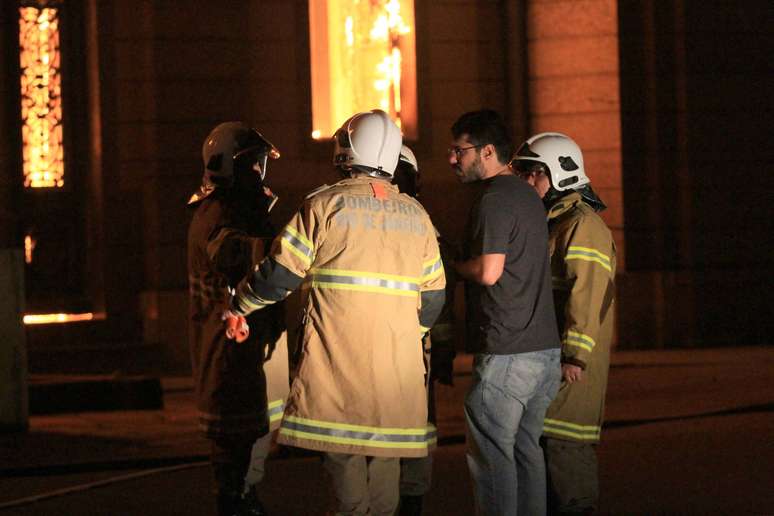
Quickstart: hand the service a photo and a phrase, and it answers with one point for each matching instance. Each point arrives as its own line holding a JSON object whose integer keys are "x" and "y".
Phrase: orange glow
{"x": 29, "y": 247}
{"x": 61, "y": 318}
{"x": 363, "y": 57}
{"x": 41, "y": 97}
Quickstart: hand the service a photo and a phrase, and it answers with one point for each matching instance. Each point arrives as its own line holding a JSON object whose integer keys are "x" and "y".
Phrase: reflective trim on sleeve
{"x": 276, "y": 408}
{"x": 247, "y": 301}
{"x": 365, "y": 282}
{"x": 431, "y": 269}
{"x": 579, "y": 340}
{"x": 297, "y": 244}
{"x": 590, "y": 255}
{"x": 341, "y": 433}
{"x": 572, "y": 430}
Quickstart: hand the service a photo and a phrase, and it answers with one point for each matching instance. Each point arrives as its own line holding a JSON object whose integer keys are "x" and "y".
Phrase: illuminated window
{"x": 363, "y": 57}
{"x": 41, "y": 97}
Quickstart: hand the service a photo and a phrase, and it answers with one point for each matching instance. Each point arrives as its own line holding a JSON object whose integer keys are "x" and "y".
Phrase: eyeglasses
{"x": 459, "y": 151}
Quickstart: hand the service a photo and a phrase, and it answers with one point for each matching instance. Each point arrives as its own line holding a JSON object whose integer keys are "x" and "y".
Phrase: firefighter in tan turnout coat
{"x": 228, "y": 233}
{"x": 583, "y": 270}
{"x": 367, "y": 260}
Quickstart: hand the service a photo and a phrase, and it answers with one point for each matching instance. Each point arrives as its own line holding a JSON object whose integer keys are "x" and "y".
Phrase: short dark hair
{"x": 484, "y": 127}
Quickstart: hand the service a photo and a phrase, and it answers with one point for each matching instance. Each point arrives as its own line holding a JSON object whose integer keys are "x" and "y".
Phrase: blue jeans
{"x": 504, "y": 411}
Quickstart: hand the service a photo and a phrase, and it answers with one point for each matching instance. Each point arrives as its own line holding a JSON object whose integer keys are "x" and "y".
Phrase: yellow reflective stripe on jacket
{"x": 580, "y": 340}
{"x": 432, "y": 269}
{"x": 247, "y": 300}
{"x": 364, "y": 281}
{"x": 432, "y": 434}
{"x": 297, "y": 244}
{"x": 276, "y": 408}
{"x": 342, "y": 433}
{"x": 565, "y": 429}
{"x": 588, "y": 254}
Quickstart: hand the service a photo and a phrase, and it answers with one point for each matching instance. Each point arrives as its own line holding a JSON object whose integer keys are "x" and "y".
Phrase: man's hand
{"x": 571, "y": 373}
{"x": 236, "y": 326}
{"x": 485, "y": 269}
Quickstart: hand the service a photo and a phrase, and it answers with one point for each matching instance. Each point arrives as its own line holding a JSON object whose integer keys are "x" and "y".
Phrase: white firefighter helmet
{"x": 561, "y": 156}
{"x": 225, "y": 145}
{"x": 369, "y": 142}
{"x": 407, "y": 156}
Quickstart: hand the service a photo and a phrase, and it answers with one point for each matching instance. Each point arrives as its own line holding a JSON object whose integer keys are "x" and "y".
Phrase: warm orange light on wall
{"x": 61, "y": 318}
{"x": 41, "y": 97}
{"x": 29, "y": 247}
{"x": 363, "y": 57}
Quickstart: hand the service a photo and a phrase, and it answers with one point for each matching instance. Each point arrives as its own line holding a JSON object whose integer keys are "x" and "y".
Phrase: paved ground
{"x": 687, "y": 432}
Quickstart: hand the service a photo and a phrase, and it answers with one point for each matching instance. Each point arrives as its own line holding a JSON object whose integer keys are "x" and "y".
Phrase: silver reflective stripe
{"x": 432, "y": 268}
{"x": 297, "y": 243}
{"x": 351, "y": 434}
{"x": 275, "y": 409}
{"x": 364, "y": 281}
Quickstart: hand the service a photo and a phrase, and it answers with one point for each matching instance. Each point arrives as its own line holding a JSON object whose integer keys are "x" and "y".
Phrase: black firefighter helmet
{"x": 231, "y": 145}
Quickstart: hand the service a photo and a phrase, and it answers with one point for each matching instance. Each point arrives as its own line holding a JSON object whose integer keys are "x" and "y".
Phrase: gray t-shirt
{"x": 516, "y": 314}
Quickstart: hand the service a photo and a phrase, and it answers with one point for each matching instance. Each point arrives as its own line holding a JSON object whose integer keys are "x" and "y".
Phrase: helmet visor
{"x": 255, "y": 143}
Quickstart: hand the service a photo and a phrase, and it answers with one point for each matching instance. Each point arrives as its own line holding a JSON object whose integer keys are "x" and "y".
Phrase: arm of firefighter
{"x": 233, "y": 252}
{"x": 590, "y": 263}
{"x": 269, "y": 283}
{"x": 291, "y": 256}
{"x": 433, "y": 283}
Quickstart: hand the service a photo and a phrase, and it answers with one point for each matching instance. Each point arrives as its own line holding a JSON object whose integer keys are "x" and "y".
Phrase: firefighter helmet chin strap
{"x": 588, "y": 195}
{"x": 591, "y": 198}
{"x": 260, "y": 165}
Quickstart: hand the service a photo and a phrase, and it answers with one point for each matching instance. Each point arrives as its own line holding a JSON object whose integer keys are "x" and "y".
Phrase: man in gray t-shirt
{"x": 510, "y": 319}
{"x": 516, "y": 313}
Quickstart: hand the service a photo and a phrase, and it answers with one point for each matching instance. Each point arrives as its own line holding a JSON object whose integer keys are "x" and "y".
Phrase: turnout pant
{"x": 572, "y": 476}
{"x": 230, "y": 456}
{"x": 364, "y": 485}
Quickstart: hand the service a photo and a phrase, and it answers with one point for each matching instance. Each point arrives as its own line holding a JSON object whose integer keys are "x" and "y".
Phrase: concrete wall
{"x": 661, "y": 106}
{"x": 696, "y": 117}
{"x": 574, "y": 89}
{"x": 173, "y": 73}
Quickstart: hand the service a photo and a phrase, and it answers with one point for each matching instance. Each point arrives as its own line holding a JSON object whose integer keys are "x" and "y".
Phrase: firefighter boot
{"x": 250, "y": 505}
{"x": 228, "y": 503}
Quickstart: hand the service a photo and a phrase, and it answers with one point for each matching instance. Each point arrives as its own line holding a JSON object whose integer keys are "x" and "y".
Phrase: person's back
{"x": 371, "y": 248}
{"x": 368, "y": 261}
